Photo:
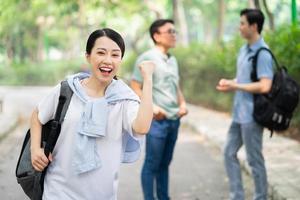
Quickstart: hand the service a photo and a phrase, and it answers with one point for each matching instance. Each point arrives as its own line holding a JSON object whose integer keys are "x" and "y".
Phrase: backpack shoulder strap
{"x": 254, "y": 62}
{"x": 62, "y": 107}
{"x": 65, "y": 92}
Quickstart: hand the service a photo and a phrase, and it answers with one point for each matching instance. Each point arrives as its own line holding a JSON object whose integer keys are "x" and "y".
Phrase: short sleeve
{"x": 47, "y": 107}
{"x": 136, "y": 75}
{"x": 132, "y": 142}
{"x": 264, "y": 65}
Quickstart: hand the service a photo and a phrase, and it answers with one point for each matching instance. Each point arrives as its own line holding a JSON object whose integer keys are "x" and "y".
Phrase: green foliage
{"x": 48, "y": 73}
{"x": 285, "y": 43}
{"x": 201, "y": 67}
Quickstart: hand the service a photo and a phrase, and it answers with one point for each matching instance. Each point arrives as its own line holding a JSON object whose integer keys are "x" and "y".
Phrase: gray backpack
{"x": 31, "y": 181}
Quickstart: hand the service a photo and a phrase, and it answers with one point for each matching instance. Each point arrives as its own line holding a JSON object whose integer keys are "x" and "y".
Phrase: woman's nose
{"x": 107, "y": 59}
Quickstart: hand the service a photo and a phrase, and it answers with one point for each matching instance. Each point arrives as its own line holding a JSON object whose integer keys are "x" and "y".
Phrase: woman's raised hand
{"x": 147, "y": 69}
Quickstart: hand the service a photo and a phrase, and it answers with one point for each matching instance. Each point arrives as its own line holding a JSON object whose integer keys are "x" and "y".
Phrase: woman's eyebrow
{"x": 106, "y": 49}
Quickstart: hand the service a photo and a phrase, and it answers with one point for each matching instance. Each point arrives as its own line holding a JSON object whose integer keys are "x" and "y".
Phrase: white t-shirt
{"x": 61, "y": 181}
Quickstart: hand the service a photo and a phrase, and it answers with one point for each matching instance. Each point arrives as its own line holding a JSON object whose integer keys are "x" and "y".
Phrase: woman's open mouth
{"x": 105, "y": 70}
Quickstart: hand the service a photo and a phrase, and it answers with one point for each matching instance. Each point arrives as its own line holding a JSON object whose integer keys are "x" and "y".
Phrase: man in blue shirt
{"x": 243, "y": 129}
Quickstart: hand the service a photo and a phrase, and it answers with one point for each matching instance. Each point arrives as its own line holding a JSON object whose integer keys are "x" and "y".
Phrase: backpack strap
{"x": 254, "y": 70}
{"x": 67, "y": 92}
{"x": 62, "y": 107}
{"x": 254, "y": 62}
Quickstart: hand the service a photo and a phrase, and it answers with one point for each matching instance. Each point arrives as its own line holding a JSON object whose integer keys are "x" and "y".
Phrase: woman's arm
{"x": 38, "y": 158}
{"x": 142, "y": 122}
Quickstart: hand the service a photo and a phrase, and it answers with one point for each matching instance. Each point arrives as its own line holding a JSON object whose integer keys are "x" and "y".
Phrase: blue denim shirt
{"x": 243, "y": 101}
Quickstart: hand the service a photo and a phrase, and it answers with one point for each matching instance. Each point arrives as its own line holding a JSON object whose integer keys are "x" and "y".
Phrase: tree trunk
{"x": 208, "y": 31}
{"x": 40, "y": 49}
{"x": 81, "y": 17}
{"x": 179, "y": 18}
{"x": 256, "y": 3}
{"x": 22, "y": 47}
{"x": 270, "y": 15}
{"x": 220, "y": 30}
{"x": 251, "y": 4}
{"x": 9, "y": 50}
{"x": 154, "y": 8}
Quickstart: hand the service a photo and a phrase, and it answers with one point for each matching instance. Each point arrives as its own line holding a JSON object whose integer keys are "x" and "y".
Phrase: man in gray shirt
{"x": 169, "y": 107}
{"x": 243, "y": 129}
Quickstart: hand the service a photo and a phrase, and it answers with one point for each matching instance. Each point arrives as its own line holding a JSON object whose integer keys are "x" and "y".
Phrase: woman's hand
{"x": 147, "y": 69}
{"x": 39, "y": 160}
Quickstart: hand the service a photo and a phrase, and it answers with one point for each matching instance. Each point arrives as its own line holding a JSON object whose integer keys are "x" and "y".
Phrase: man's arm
{"x": 182, "y": 103}
{"x": 158, "y": 112}
{"x": 262, "y": 86}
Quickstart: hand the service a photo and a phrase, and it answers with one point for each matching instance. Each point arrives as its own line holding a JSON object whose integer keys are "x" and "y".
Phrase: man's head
{"x": 251, "y": 22}
{"x": 162, "y": 32}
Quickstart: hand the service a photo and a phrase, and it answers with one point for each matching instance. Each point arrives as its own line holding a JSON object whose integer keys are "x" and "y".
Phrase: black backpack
{"x": 31, "y": 181}
{"x": 274, "y": 110}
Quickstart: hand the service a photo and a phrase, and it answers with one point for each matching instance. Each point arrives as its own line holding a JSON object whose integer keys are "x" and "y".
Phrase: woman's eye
{"x": 101, "y": 53}
{"x": 116, "y": 55}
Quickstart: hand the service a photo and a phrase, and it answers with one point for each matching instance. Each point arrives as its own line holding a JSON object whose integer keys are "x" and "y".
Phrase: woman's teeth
{"x": 105, "y": 69}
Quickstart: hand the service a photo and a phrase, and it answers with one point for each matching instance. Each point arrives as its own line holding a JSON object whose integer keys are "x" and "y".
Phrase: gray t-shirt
{"x": 165, "y": 80}
{"x": 243, "y": 101}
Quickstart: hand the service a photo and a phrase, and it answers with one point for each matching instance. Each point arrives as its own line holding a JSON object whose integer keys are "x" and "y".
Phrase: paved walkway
{"x": 196, "y": 172}
{"x": 282, "y": 155}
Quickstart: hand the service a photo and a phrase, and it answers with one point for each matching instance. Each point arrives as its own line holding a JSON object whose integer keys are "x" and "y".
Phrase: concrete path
{"x": 196, "y": 172}
{"x": 282, "y": 155}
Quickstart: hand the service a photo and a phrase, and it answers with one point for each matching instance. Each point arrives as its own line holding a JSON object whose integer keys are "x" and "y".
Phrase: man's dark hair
{"x": 254, "y": 16}
{"x": 156, "y": 25}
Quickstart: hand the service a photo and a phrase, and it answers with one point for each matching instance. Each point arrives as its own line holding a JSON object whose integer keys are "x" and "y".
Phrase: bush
{"x": 48, "y": 73}
{"x": 201, "y": 67}
{"x": 285, "y": 43}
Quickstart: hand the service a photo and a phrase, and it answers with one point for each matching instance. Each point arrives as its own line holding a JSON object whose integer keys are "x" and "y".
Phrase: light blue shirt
{"x": 243, "y": 101}
{"x": 165, "y": 80}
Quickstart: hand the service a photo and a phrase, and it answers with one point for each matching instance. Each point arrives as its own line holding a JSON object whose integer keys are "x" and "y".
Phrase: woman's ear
{"x": 87, "y": 57}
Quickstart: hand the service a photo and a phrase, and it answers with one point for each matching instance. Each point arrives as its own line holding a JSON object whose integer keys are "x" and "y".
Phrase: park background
{"x": 42, "y": 41}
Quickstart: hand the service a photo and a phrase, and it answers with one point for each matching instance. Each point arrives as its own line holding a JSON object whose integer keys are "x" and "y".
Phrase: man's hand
{"x": 159, "y": 113}
{"x": 182, "y": 111}
{"x": 226, "y": 85}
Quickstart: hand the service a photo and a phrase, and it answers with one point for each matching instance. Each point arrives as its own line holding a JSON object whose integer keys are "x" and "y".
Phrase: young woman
{"x": 104, "y": 125}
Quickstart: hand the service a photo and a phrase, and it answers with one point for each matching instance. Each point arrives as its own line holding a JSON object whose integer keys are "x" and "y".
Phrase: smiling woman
{"x": 104, "y": 51}
{"x": 104, "y": 126}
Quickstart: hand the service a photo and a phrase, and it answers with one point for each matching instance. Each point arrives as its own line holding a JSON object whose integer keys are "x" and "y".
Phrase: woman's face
{"x": 105, "y": 59}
